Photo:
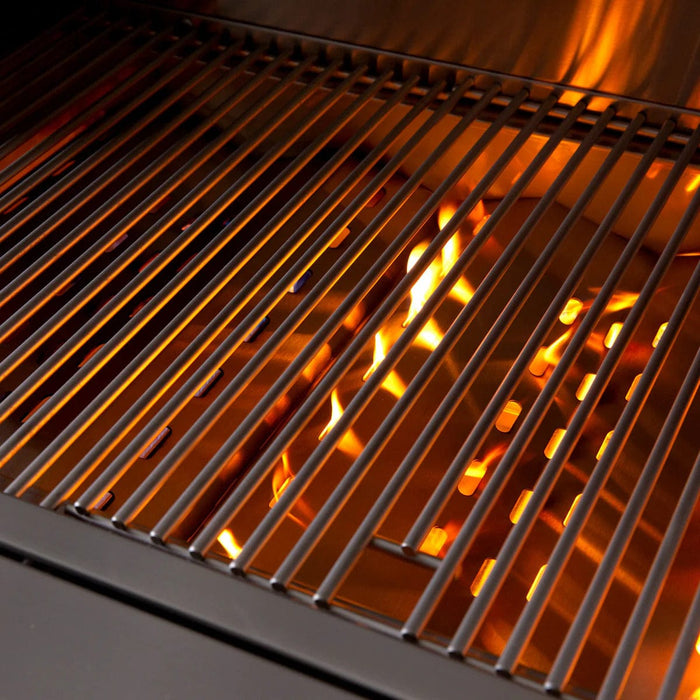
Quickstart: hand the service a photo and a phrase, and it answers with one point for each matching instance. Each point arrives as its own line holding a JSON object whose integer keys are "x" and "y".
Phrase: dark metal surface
{"x": 236, "y": 612}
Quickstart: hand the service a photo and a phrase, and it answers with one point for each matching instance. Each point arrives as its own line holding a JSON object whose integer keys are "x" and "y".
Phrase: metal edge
{"x": 247, "y": 616}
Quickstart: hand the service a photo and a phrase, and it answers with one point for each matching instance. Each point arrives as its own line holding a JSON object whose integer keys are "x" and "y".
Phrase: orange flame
{"x": 461, "y": 291}
{"x": 481, "y": 576}
{"x": 621, "y": 300}
{"x": 571, "y": 510}
{"x": 228, "y": 542}
{"x": 349, "y": 442}
{"x": 536, "y": 582}
{"x": 430, "y": 336}
{"x": 425, "y": 285}
{"x": 693, "y": 184}
{"x": 571, "y": 311}
{"x": 552, "y": 354}
{"x": 392, "y": 383}
{"x": 520, "y": 505}
{"x": 281, "y": 478}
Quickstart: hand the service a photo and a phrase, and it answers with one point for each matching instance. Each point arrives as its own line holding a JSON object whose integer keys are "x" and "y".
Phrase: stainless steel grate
{"x": 210, "y": 245}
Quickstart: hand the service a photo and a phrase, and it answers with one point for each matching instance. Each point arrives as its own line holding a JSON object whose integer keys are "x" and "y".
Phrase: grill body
{"x": 402, "y": 338}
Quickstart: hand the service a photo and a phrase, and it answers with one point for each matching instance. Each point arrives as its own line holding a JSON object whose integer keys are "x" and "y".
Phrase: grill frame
{"x": 26, "y": 545}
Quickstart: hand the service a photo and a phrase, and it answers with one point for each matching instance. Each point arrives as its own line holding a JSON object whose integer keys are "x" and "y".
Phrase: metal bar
{"x": 28, "y": 68}
{"x": 10, "y": 145}
{"x": 323, "y": 389}
{"x": 605, "y": 573}
{"x": 393, "y": 548}
{"x": 266, "y": 528}
{"x": 109, "y": 349}
{"x": 685, "y": 647}
{"x": 478, "y": 434}
{"x": 50, "y": 326}
{"x": 62, "y": 246}
{"x": 391, "y": 422}
{"x": 65, "y": 154}
{"x": 646, "y": 603}
{"x": 382, "y": 506}
{"x": 235, "y": 338}
{"x": 456, "y": 468}
{"x": 77, "y": 426}
{"x": 597, "y": 590}
{"x": 469, "y": 626}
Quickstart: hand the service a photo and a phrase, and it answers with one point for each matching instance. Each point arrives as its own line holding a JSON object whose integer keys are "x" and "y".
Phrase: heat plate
{"x": 423, "y": 353}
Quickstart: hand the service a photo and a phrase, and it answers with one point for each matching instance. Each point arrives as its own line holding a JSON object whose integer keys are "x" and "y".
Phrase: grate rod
{"x": 120, "y": 339}
{"x": 393, "y": 489}
{"x": 646, "y": 603}
{"x": 325, "y": 448}
{"x": 516, "y": 537}
{"x": 65, "y": 154}
{"x": 426, "y": 560}
{"x": 434, "y": 590}
{"x": 685, "y": 647}
{"x": 280, "y": 289}
{"x": 390, "y": 424}
{"x": 478, "y": 434}
{"x": 323, "y": 389}
{"x": 17, "y": 75}
{"x": 597, "y": 590}
{"x": 146, "y": 400}
{"x": 9, "y": 145}
{"x": 62, "y": 246}
{"x": 145, "y": 240}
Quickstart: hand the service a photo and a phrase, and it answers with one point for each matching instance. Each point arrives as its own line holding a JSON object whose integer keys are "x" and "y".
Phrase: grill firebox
{"x": 420, "y": 347}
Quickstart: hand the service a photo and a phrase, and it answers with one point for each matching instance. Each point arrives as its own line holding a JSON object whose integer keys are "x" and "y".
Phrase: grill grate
{"x": 208, "y": 245}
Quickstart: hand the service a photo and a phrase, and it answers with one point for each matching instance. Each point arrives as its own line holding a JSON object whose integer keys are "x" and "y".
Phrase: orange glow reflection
{"x": 434, "y": 541}
{"x": 658, "y": 335}
{"x": 633, "y": 386}
{"x": 520, "y": 505}
{"x": 604, "y": 445}
{"x": 425, "y": 285}
{"x": 557, "y": 437}
{"x": 392, "y": 383}
{"x": 430, "y": 336}
{"x": 349, "y": 442}
{"x": 481, "y": 576}
{"x": 228, "y": 542}
{"x": 571, "y": 510}
{"x": 693, "y": 184}
{"x": 536, "y": 582}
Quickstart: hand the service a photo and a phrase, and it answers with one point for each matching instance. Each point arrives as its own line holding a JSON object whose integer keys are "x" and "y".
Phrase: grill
{"x": 412, "y": 343}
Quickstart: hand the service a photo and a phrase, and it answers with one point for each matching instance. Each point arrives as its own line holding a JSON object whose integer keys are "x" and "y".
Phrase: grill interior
{"x": 423, "y": 351}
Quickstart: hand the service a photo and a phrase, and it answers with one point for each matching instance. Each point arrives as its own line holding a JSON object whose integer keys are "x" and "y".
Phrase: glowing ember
{"x": 425, "y": 285}
{"x": 633, "y": 386}
{"x": 571, "y": 311}
{"x": 228, "y": 542}
{"x": 392, "y": 383}
{"x": 481, "y": 576}
{"x": 658, "y": 335}
{"x": 584, "y": 386}
{"x": 349, "y": 442}
{"x": 434, "y": 541}
{"x": 430, "y": 336}
{"x": 693, "y": 184}
{"x": 520, "y": 505}
{"x": 572, "y": 508}
{"x": 473, "y": 474}
{"x": 536, "y": 582}
{"x": 557, "y": 437}
{"x": 611, "y": 337}
{"x": 508, "y": 416}
{"x": 606, "y": 440}
{"x": 281, "y": 478}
